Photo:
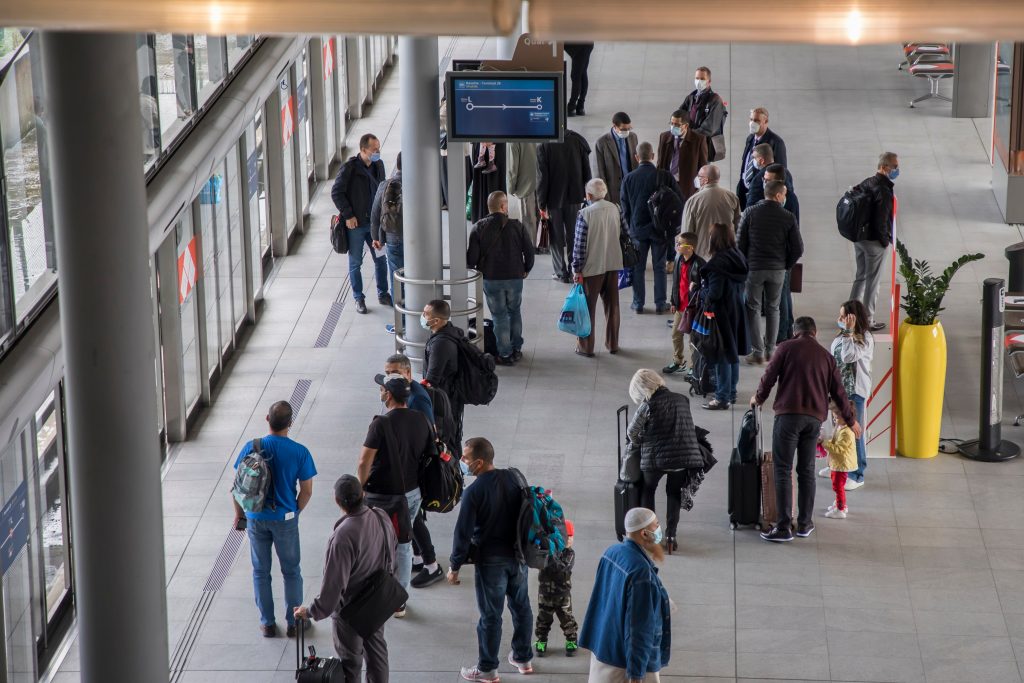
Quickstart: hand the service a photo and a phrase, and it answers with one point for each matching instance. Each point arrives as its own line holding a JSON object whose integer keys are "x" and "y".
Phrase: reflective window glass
{"x": 30, "y": 231}
{"x": 330, "y": 93}
{"x": 234, "y": 198}
{"x": 188, "y": 272}
{"x": 56, "y": 572}
{"x": 257, "y": 170}
{"x": 211, "y": 63}
{"x": 174, "y": 68}
{"x": 237, "y": 47}
{"x": 210, "y": 200}
{"x": 18, "y": 601}
{"x": 287, "y": 142}
{"x": 257, "y": 205}
{"x": 302, "y": 93}
{"x": 223, "y": 259}
{"x": 145, "y": 55}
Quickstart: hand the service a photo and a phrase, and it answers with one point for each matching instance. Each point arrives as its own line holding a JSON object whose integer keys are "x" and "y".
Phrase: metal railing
{"x": 451, "y": 289}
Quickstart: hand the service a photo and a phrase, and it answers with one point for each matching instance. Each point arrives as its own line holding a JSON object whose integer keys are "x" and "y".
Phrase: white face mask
{"x": 622, "y": 134}
{"x": 696, "y": 182}
{"x": 755, "y": 127}
{"x": 700, "y": 84}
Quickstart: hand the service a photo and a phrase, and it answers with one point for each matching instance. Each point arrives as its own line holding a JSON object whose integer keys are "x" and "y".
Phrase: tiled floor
{"x": 924, "y": 581}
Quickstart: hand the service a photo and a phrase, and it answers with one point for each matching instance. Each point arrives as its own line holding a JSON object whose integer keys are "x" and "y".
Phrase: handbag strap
{"x": 388, "y": 564}
{"x": 497, "y": 235}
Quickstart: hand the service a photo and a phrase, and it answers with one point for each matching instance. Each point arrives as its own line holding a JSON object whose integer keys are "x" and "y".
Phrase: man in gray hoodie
{"x": 363, "y": 542}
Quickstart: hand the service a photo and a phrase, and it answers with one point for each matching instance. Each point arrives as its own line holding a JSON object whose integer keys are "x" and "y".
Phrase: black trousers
{"x": 422, "y": 544}
{"x": 580, "y": 55}
{"x": 563, "y": 237}
{"x": 794, "y": 434}
{"x": 673, "y": 490}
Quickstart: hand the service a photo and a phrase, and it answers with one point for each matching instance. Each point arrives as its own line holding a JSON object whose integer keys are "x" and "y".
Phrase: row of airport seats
{"x": 933, "y": 61}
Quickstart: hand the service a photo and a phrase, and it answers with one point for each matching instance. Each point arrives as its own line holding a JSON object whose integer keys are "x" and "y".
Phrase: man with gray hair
{"x": 596, "y": 262}
{"x": 501, "y": 249}
{"x": 712, "y": 204}
{"x": 870, "y": 251}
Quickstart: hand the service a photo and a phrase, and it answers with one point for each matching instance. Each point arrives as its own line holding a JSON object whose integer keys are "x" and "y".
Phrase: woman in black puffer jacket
{"x": 661, "y": 436}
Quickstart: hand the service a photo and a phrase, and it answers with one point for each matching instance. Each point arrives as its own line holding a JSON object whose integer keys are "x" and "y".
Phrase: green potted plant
{"x": 922, "y": 354}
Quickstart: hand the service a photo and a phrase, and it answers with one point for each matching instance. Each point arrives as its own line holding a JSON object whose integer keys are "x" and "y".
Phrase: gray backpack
{"x": 253, "y": 485}
{"x": 391, "y": 207}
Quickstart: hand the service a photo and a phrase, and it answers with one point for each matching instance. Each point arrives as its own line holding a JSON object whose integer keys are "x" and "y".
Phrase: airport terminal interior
{"x": 923, "y": 582}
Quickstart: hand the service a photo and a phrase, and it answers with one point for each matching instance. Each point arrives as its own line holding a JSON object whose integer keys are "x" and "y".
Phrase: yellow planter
{"x": 922, "y": 383}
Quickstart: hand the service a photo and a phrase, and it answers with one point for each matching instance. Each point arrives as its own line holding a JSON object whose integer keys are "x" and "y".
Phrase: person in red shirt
{"x": 685, "y": 279}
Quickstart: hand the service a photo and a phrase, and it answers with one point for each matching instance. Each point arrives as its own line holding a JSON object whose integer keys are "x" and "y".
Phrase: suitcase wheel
{"x": 733, "y": 525}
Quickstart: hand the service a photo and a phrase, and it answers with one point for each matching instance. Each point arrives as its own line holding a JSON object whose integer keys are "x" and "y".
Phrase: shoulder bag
{"x": 377, "y": 598}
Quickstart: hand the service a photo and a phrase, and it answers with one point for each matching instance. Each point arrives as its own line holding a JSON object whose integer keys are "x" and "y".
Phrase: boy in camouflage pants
{"x": 555, "y": 598}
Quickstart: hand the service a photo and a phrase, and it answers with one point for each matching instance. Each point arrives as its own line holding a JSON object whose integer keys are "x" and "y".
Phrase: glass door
{"x": 53, "y": 526}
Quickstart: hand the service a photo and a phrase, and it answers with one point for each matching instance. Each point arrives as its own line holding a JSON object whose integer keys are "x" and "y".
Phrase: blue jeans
{"x": 396, "y": 258}
{"x": 727, "y": 376}
{"x": 404, "y": 555}
{"x": 505, "y": 299}
{"x": 658, "y": 254}
{"x": 496, "y": 580}
{"x": 357, "y": 238}
{"x": 283, "y": 536}
{"x": 862, "y": 449}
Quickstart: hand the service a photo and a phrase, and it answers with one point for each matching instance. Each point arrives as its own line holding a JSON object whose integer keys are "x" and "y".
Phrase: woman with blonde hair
{"x": 662, "y": 440}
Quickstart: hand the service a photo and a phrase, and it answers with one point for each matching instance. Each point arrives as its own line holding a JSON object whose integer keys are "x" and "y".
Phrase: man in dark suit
{"x": 760, "y": 134}
{"x": 637, "y": 188}
{"x": 563, "y": 169}
{"x": 682, "y": 152}
{"x": 615, "y": 154}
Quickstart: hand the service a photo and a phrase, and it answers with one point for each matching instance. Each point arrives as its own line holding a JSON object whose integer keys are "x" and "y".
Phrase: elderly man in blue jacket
{"x": 628, "y": 626}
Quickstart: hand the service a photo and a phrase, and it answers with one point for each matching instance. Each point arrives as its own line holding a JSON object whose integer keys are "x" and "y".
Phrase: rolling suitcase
{"x": 313, "y": 669}
{"x": 745, "y": 474}
{"x": 627, "y": 493}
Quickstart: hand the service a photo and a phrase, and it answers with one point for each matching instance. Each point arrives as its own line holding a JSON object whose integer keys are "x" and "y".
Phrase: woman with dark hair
{"x": 722, "y": 280}
{"x": 853, "y": 349}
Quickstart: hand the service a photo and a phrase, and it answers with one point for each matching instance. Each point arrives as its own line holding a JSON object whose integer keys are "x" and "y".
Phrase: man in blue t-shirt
{"x": 276, "y": 527}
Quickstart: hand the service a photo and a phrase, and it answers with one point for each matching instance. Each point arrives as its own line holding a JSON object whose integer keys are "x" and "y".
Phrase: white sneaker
{"x": 472, "y": 673}
{"x": 852, "y": 485}
{"x": 833, "y": 513}
{"x": 830, "y": 508}
{"x": 825, "y": 473}
{"x": 523, "y": 668}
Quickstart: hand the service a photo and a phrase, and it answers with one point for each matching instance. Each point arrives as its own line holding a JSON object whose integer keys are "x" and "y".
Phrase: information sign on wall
{"x": 14, "y": 521}
{"x": 287, "y": 121}
{"x": 187, "y": 271}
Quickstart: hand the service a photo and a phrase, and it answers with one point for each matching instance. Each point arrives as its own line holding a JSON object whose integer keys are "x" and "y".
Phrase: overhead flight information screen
{"x": 505, "y": 106}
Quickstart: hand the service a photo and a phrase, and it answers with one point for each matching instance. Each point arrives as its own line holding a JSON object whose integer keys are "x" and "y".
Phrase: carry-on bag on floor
{"x": 627, "y": 493}
{"x": 745, "y": 474}
{"x": 313, "y": 669}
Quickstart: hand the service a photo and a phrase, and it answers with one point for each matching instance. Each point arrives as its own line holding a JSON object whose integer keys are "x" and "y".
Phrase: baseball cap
{"x": 397, "y": 385}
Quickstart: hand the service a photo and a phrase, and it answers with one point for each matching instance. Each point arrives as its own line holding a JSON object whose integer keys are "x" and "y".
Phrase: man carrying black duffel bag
{"x": 362, "y": 544}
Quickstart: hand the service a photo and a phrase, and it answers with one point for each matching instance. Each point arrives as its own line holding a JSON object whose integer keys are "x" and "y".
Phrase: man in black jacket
{"x": 781, "y": 173}
{"x": 870, "y": 252}
{"x": 488, "y": 523}
{"x": 353, "y": 193}
{"x": 563, "y": 169}
{"x": 760, "y": 134}
{"x": 770, "y": 240}
{"x": 500, "y": 248}
{"x": 706, "y": 110}
{"x": 637, "y": 188}
{"x": 441, "y": 356}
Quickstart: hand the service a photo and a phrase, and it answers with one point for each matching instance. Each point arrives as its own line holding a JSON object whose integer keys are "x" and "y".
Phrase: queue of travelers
{"x": 733, "y": 260}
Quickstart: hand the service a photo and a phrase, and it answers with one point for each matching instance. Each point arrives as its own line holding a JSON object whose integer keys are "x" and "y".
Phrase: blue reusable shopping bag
{"x": 575, "y": 317}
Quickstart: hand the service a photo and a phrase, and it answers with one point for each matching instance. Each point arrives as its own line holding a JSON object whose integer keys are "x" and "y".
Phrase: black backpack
{"x": 666, "y": 208}
{"x": 444, "y": 419}
{"x": 853, "y": 213}
{"x": 391, "y": 207}
{"x": 476, "y": 382}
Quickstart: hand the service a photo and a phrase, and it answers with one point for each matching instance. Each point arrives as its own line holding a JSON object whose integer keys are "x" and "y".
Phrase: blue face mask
{"x": 841, "y": 324}
{"x": 375, "y": 157}
{"x": 676, "y": 130}
{"x": 423, "y": 322}
{"x": 465, "y": 469}
{"x": 659, "y": 535}
{"x": 894, "y": 174}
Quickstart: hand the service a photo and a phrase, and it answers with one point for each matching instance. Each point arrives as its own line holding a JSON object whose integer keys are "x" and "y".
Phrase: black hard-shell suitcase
{"x": 627, "y": 493}
{"x": 745, "y": 474}
{"x": 313, "y": 669}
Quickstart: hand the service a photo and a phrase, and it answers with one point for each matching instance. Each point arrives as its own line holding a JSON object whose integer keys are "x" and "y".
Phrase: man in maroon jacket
{"x": 808, "y": 378}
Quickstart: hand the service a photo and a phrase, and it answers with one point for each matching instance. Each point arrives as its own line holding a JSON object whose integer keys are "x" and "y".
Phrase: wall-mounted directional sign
{"x": 489, "y": 106}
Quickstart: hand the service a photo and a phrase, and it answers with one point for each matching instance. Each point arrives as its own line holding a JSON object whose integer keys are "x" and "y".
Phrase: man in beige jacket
{"x": 712, "y": 204}
{"x": 521, "y": 174}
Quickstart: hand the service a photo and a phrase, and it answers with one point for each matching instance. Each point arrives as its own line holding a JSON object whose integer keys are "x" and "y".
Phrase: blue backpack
{"x": 542, "y": 533}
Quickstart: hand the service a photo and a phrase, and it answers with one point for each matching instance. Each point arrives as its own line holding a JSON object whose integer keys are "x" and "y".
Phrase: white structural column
{"x": 106, "y": 314}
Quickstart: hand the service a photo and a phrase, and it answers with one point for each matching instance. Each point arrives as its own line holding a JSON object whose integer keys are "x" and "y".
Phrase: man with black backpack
{"x": 637, "y": 189}
{"x": 501, "y": 250}
{"x": 386, "y": 221}
{"x": 487, "y": 535}
{"x": 865, "y": 215}
{"x": 266, "y": 506}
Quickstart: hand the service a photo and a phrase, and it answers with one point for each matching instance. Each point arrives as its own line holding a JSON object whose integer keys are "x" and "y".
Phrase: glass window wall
{"x": 176, "y": 94}
{"x": 188, "y": 273}
{"x": 53, "y": 527}
{"x": 288, "y": 146}
{"x": 234, "y": 199}
{"x": 237, "y": 47}
{"x": 149, "y": 105}
{"x": 255, "y": 193}
{"x": 211, "y": 64}
{"x": 210, "y": 204}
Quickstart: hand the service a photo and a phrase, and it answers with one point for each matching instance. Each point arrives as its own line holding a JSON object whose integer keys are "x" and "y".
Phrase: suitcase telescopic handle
{"x": 760, "y": 433}
{"x": 621, "y": 417}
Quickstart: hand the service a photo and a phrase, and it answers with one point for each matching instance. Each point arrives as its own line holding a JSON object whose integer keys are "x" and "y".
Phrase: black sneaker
{"x": 385, "y": 299}
{"x": 805, "y": 531}
{"x": 777, "y": 535}
{"x": 673, "y": 368}
{"x": 417, "y": 567}
{"x": 517, "y": 356}
{"x": 875, "y": 327}
{"x": 504, "y": 360}
{"x": 426, "y": 578}
{"x": 361, "y": 306}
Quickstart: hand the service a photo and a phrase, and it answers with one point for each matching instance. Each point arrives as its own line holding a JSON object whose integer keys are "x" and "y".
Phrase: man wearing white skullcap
{"x": 628, "y": 627}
